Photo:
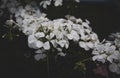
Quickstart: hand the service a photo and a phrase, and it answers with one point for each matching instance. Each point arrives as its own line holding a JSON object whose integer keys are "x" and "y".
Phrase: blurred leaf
{"x": 81, "y": 67}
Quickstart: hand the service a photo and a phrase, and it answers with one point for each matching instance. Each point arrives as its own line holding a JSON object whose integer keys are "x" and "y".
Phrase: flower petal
{"x": 46, "y": 45}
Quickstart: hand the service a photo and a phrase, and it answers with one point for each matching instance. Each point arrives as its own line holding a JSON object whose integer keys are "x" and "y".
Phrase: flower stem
{"x": 107, "y": 75}
{"x": 86, "y": 59}
{"x": 10, "y": 32}
{"x": 48, "y": 68}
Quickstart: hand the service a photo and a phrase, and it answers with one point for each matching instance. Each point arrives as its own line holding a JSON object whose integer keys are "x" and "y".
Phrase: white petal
{"x": 94, "y": 58}
{"x": 39, "y": 35}
{"x": 77, "y": 0}
{"x": 59, "y": 49}
{"x": 39, "y": 51}
{"x": 58, "y": 2}
{"x": 31, "y": 39}
{"x": 113, "y": 67}
{"x": 39, "y": 56}
{"x": 100, "y": 58}
{"x": 39, "y": 44}
{"x": 70, "y": 37}
{"x": 67, "y": 45}
{"x": 36, "y": 45}
{"x": 76, "y": 37}
{"x": 95, "y": 53}
{"x": 62, "y": 54}
{"x": 83, "y": 45}
{"x": 90, "y": 45}
{"x": 46, "y": 45}
{"x": 51, "y": 35}
{"x": 62, "y": 43}
{"x": 110, "y": 59}
{"x": 94, "y": 36}
{"x": 85, "y": 24}
{"x": 54, "y": 43}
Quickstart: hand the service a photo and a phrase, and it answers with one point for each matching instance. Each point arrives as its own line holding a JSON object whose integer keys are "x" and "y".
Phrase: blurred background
{"x": 17, "y": 60}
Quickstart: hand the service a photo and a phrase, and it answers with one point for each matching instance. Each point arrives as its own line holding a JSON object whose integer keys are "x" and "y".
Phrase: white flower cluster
{"x": 115, "y": 67}
{"x": 109, "y": 51}
{"x": 46, "y": 3}
{"x": 29, "y": 19}
{"x": 44, "y": 34}
{"x": 11, "y": 5}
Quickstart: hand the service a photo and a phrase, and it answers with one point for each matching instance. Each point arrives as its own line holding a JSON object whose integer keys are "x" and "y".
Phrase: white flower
{"x": 86, "y": 45}
{"x": 108, "y": 49}
{"x": 63, "y": 43}
{"x": 52, "y": 35}
{"x": 100, "y": 58}
{"x": 39, "y": 35}
{"x": 117, "y": 42}
{"x": 49, "y": 37}
{"x": 39, "y": 44}
{"x": 61, "y": 54}
{"x": 58, "y": 34}
{"x": 46, "y": 45}
{"x": 77, "y": 0}
{"x": 115, "y": 68}
{"x": 83, "y": 45}
{"x": 73, "y": 35}
{"x": 85, "y": 24}
{"x": 70, "y": 36}
{"x": 28, "y": 30}
{"x": 40, "y": 51}
{"x": 45, "y": 3}
{"x": 59, "y": 49}
{"x": 114, "y": 56}
{"x": 40, "y": 56}
{"x": 58, "y": 2}
{"x": 115, "y": 35}
{"x": 54, "y": 43}
{"x": 34, "y": 43}
{"x": 94, "y": 37}
{"x": 31, "y": 39}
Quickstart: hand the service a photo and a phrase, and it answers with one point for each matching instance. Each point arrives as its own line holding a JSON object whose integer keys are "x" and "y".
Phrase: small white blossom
{"x": 46, "y": 45}
{"x": 101, "y": 58}
{"x": 45, "y": 3}
{"x": 107, "y": 49}
{"x": 58, "y": 2}
{"x": 115, "y": 68}
{"x": 40, "y": 56}
{"x": 61, "y": 54}
{"x": 77, "y": 0}
{"x": 39, "y": 35}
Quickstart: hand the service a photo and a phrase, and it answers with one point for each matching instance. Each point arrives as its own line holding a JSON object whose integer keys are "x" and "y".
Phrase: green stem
{"x": 86, "y": 59}
{"x": 11, "y": 38}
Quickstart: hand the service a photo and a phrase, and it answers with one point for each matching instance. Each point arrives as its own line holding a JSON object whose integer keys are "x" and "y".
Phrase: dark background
{"x": 104, "y": 16}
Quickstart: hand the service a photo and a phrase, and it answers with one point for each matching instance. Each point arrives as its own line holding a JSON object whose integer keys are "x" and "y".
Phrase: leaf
{"x": 81, "y": 67}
